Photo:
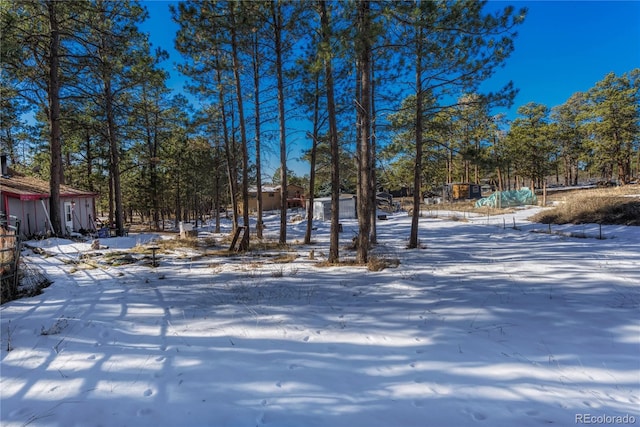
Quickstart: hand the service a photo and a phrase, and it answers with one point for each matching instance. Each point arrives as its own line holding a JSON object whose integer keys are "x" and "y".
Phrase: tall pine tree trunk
{"x": 363, "y": 118}
{"x": 228, "y": 149}
{"x": 314, "y": 154}
{"x": 243, "y": 130}
{"x": 417, "y": 168}
{"x": 334, "y": 239}
{"x": 277, "y": 34}
{"x": 114, "y": 156}
{"x": 372, "y": 174}
{"x": 256, "y": 95}
{"x": 54, "y": 120}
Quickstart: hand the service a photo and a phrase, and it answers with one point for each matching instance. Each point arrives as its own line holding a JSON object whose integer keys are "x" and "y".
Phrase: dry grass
{"x": 380, "y": 263}
{"x": 374, "y": 263}
{"x": 285, "y": 258}
{"x": 346, "y": 262}
{"x": 615, "y": 206}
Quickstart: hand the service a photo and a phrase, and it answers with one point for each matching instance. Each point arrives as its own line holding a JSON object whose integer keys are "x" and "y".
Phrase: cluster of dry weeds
{"x": 612, "y": 206}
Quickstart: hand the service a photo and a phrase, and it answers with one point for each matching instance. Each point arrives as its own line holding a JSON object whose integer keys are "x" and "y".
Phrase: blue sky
{"x": 563, "y": 47}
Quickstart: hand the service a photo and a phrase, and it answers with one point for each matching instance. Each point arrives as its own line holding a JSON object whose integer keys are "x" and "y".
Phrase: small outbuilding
{"x": 464, "y": 191}
{"x": 27, "y": 199}
{"x": 347, "y": 208}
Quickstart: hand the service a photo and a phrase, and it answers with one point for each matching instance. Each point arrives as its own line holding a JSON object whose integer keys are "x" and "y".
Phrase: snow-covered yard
{"x": 485, "y": 325}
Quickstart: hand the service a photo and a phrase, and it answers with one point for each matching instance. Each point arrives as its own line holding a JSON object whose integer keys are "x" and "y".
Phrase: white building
{"x": 347, "y": 208}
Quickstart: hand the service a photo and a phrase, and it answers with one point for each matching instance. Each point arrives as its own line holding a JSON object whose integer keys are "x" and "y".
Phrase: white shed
{"x": 322, "y": 208}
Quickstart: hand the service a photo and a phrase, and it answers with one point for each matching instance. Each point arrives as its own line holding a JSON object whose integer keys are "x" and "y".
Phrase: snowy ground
{"x": 486, "y": 325}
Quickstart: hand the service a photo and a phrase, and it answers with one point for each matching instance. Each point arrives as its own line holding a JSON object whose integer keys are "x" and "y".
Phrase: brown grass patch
{"x": 340, "y": 263}
{"x": 285, "y": 258}
{"x": 374, "y": 264}
{"x": 380, "y": 263}
{"x": 617, "y": 206}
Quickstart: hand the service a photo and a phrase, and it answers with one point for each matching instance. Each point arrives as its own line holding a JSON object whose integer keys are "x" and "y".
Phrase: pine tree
{"x": 455, "y": 47}
{"x": 531, "y": 145}
{"x": 613, "y": 120}
{"x": 570, "y": 135}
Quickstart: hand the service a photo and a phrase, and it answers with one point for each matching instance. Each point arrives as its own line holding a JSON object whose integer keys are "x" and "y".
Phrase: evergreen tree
{"x": 570, "y": 135}
{"x": 455, "y": 47}
{"x": 612, "y": 118}
{"x": 41, "y": 29}
{"x": 531, "y": 145}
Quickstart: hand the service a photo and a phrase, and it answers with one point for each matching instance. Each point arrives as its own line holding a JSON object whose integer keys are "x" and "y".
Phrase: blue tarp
{"x": 521, "y": 197}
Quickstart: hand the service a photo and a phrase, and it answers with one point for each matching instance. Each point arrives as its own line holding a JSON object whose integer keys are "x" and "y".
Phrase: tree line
{"x": 386, "y": 93}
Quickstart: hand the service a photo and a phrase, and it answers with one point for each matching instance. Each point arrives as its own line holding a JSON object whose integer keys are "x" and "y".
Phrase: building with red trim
{"x": 27, "y": 199}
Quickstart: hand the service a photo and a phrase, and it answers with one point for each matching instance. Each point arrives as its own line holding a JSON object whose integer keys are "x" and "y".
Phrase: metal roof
{"x": 24, "y": 187}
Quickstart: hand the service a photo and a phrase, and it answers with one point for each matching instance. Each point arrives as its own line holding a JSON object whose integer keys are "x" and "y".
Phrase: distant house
{"x": 271, "y": 197}
{"x": 27, "y": 199}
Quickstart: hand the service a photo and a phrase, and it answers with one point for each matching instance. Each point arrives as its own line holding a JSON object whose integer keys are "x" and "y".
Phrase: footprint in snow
{"x": 475, "y": 415}
{"x": 143, "y": 412}
{"x": 478, "y": 416}
{"x": 148, "y": 392}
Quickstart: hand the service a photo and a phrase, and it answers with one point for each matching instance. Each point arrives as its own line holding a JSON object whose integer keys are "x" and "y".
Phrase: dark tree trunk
{"x": 333, "y": 138}
{"x": 243, "y": 131}
{"x": 54, "y": 120}
{"x": 417, "y": 168}
{"x": 314, "y": 153}
{"x": 256, "y": 92}
{"x": 363, "y": 117}
{"x": 277, "y": 33}
{"x": 229, "y": 151}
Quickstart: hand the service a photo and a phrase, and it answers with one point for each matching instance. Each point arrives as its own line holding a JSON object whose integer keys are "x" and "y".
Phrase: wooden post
{"x": 244, "y": 243}
{"x": 236, "y": 235}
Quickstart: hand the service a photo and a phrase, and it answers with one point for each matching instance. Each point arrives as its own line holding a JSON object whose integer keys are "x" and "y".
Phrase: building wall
{"x": 322, "y": 208}
{"x": 31, "y": 215}
{"x": 83, "y": 212}
{"x": 34, "y": 220}
{"x": 271, "y": 199}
